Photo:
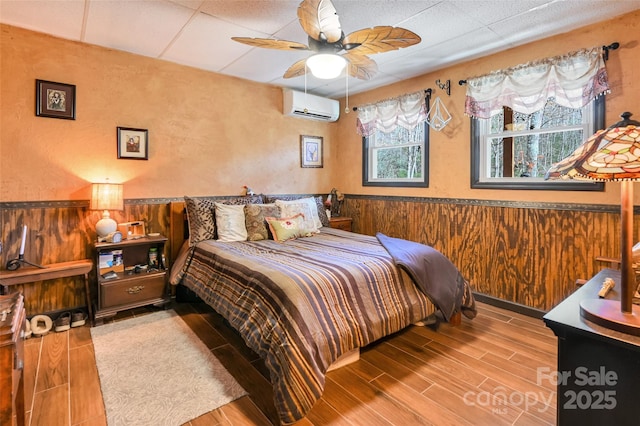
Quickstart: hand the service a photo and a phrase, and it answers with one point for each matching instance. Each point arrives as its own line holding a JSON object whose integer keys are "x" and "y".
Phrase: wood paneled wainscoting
{"x": 61, "y": 231}
{"x": 527, "y": 253}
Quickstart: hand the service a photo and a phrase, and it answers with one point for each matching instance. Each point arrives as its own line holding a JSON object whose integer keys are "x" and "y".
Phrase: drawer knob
{"x": 135, "y": 289}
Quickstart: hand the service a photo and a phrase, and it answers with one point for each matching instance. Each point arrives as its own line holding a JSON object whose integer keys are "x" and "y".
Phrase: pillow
{"x": 306, "y": 206}
{"x": 254, "y": 217}
{"x": 288, "y": 228}
{"x": 248, "y": 199}
{"x": 200, "y": 215}
{"x": 322, "y": 211}
{"x": 230, "y": 222}
{"x": 322, "y": 214}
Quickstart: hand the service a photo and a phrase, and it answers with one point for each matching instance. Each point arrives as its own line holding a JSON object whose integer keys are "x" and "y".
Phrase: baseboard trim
{"x": 510, "y": 306}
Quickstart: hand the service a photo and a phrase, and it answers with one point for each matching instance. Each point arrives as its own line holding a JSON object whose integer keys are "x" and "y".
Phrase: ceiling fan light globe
{"x": 326, "y": 65}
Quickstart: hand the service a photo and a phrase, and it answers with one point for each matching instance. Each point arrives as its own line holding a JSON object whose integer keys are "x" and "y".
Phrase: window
{"x": 398, "y": 158}
{"x": 511, "y": 150}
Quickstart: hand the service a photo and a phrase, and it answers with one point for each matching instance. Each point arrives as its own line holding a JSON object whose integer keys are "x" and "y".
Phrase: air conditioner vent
{"x": 312, "y": 107}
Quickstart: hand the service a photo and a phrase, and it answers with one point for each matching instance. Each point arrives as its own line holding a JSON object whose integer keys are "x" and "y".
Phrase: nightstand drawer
{"x": 341, "y": 222}
{"x": 132, "y": 290}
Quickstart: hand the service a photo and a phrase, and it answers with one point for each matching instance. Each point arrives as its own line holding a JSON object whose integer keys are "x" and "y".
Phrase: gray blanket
{"x": 434, "y": 275}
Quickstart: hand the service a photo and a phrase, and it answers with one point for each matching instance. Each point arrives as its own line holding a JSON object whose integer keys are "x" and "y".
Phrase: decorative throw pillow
{"x": 322, "y": 215}
{"x": 249, "y": 199}
{"x": 322, "y": 211}
{"x": 254, "y": 217}
{"x": 200, "y": 215}
{"x": 306, "y": 206}
{"x": 230, "y": 222}
{"x": 287, "y": 228}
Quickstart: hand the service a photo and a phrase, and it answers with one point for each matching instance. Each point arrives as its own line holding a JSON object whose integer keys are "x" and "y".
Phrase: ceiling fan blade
{"x": 269, "y": 43}
{"x": 360, "y": 66}
{"x": 369, "y": 41}
{"x": 320, "y": 20}
{"x": 297, "y": 69}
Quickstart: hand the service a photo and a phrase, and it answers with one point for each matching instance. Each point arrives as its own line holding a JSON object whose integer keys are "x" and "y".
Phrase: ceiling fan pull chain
{"x": 346, "y": 83}
{"x": 306, "y": 111}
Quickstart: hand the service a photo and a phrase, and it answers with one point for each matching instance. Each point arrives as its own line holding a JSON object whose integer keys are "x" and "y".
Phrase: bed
{"x": 304, "y": 305}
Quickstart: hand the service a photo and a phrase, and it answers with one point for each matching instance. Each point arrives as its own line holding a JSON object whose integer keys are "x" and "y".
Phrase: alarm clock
{"x": 114, "y": 237}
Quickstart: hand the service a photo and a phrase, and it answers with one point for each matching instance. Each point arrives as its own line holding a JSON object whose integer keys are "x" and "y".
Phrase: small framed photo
{"x": 310, "y": 151}
{"x": 55, "y": 100}
{"x": 133, "y": 143}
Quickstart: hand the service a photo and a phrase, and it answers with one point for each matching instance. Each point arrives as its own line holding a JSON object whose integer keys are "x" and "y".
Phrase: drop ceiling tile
{"x": 267, "y": 17}
{"x": 61, "y": 19}
{"x": 142, "y": 27}
{"x": 206, "y": 43}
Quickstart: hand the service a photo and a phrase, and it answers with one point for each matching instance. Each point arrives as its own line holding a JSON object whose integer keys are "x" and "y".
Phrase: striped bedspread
{"x": 303, "y": 303}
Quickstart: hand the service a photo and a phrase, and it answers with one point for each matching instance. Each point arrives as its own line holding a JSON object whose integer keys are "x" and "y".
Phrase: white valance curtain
{"x": 573, "y": 80}
{"x": 405, "y": 111}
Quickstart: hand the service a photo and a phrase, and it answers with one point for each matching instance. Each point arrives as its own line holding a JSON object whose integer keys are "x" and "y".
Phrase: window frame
{"x": 400, "y": 182}
{"x": 598, "y": 118}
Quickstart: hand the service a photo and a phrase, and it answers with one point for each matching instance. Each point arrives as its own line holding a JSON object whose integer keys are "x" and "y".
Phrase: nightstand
{"x": 130, "y": 274}
{"x": 341, "y": 222}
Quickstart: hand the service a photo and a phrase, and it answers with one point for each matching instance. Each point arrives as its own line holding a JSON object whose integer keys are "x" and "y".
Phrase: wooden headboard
{"x": 178, "y": 232}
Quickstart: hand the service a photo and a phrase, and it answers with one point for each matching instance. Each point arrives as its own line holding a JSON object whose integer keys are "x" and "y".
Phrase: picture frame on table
{"x": 133, "y": 143}
{"x": 311, "y": 148}
{"x": 55, "y": 100}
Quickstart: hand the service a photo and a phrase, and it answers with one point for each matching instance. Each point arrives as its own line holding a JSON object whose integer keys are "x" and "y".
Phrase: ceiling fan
{"x": 320, "y": 21}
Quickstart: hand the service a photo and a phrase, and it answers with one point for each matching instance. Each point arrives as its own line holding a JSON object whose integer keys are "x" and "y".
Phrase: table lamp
{"x": 106, "y": 196}
{"x": 612, "y": 154}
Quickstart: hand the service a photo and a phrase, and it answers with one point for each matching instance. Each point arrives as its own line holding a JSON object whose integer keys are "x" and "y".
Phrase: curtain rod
{"x": 355, "y": 108}
{"x": 612, "y": 46}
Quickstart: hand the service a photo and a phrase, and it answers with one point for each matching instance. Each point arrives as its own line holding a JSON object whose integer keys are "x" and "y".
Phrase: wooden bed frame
{"x": 178, "y": 234}
{"x": 177, "y": 237}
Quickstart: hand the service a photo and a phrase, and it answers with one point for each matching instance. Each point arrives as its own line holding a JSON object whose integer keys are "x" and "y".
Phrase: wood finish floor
{"x": 483, "y": 372}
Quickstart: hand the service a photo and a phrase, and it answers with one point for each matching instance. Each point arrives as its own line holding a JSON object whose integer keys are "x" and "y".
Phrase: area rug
{"x": 154, "y": 370}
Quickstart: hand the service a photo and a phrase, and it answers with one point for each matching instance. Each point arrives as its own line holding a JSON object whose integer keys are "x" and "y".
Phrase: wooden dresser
{"x": 12, "y": 323}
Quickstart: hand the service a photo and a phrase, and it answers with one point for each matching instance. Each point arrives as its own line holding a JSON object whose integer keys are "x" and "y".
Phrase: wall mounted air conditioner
{"x": 306, "y": 105}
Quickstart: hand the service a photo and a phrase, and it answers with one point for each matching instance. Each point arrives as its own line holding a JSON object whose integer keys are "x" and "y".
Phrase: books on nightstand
{"x": 111, "y": 260}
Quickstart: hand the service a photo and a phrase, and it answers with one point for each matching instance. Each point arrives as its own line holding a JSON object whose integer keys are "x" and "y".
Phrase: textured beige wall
{"x": 450, "y": 149}
{"x": 208, "y": 134}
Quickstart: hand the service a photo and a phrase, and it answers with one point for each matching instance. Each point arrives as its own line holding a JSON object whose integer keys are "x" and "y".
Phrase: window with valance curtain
{"x": 573, "y": 80}
{"x": 526, "y": 118}
{"x": 395, "y": 140}
{"x": 405, "y": 111}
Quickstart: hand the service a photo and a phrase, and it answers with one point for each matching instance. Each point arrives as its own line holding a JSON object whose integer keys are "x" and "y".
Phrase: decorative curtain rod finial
{"x": 612, "y": 46}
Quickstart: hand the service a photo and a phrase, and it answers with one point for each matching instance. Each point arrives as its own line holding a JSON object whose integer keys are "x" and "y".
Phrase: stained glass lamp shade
{"x": 612, "y": 154}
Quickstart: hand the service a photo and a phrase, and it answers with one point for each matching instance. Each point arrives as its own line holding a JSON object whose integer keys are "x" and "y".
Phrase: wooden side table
{"x": 598, "y": 368}
{"x": 130, "y": 287}
{"x": 341, "y": 222}
{"x": 50, "y": 272}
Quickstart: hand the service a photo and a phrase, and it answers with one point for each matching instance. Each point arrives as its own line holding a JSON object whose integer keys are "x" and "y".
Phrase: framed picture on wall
{"x": 310, "y": 151}
{"x": 133, "y": 143}
{"x": 55, "y": 100}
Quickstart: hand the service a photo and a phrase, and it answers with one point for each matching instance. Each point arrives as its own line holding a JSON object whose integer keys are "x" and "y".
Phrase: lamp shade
{"x": 326, "y": 65}
{"x": 612, "y": 154}
{"x": 106, "y": 196}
